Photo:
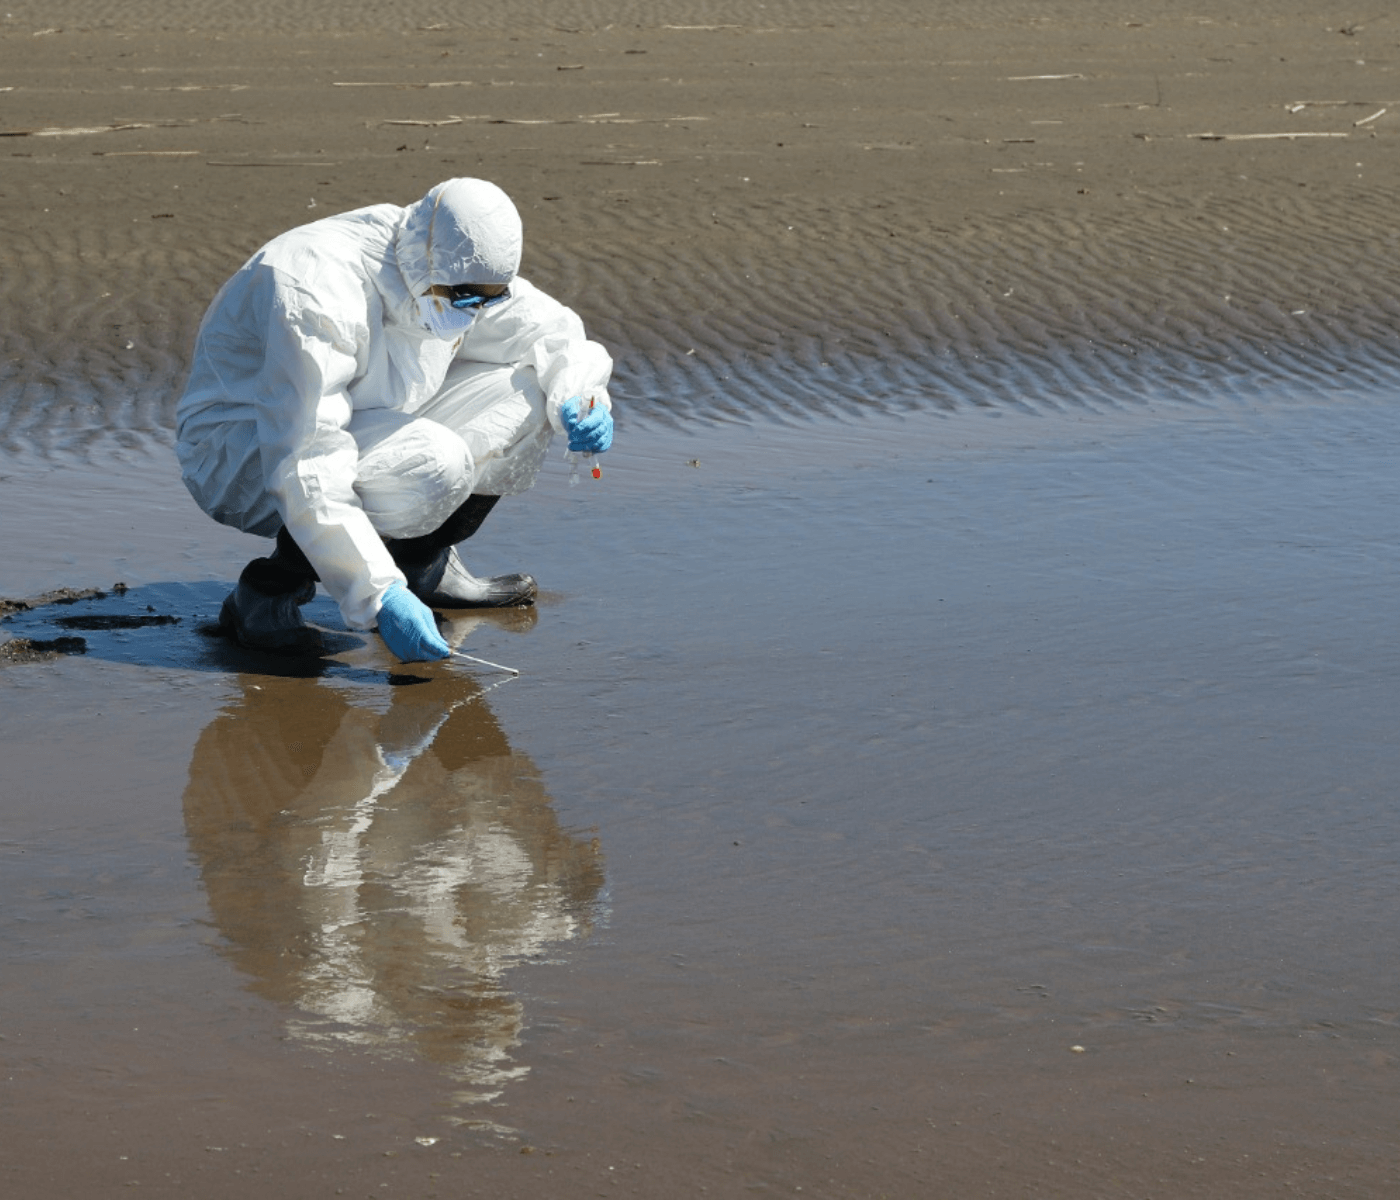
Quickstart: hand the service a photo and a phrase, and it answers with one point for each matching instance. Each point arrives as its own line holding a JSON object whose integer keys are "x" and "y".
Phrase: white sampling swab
{"x": 483, "y": 662}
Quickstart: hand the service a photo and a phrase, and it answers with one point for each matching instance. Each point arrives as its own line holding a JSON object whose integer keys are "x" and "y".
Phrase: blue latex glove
{"x": 588, "y": 431}
{"x": 407, "y": 626}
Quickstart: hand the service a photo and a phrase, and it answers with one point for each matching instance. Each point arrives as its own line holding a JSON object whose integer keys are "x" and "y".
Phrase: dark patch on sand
{"x": 27, "y": 650}
{"x": 110, "y": 621}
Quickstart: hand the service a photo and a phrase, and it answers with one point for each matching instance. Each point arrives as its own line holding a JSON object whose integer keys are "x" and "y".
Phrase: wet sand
{"x": 954, "y": 750}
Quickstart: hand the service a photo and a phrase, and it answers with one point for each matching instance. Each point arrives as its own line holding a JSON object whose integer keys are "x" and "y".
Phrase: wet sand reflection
{"x": 379, "y": 861}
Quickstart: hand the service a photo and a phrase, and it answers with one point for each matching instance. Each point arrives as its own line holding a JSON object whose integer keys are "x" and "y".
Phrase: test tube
{"x": 575, "y": 457}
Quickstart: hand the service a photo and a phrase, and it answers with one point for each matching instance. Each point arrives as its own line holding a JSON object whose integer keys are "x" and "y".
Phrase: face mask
{"x": 442, "y": 320}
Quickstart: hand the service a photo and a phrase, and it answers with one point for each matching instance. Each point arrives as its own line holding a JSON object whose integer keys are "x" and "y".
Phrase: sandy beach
{"x": 953, "y": 753}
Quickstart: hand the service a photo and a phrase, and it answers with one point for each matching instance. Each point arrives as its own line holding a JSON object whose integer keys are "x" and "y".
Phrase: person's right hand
{"x": 408, "y": 628}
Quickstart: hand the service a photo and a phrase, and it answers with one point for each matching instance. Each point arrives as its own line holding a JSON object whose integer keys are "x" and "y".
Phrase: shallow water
{"x": 855, "y": 775}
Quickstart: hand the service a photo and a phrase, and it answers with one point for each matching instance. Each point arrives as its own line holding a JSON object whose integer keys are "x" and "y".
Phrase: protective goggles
{"x": 473, "y": 295}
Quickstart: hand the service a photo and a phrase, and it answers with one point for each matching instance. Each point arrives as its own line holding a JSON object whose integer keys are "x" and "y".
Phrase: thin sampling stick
{"x": 483, "y": 662}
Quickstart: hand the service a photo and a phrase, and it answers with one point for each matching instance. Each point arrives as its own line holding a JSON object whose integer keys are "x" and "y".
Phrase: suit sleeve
{"x": 309, "y": 457}
{"x": 535, "y": 330}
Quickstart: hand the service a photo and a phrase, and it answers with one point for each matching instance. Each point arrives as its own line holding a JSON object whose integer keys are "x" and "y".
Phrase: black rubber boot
{"x": 445, "y": 582}
{"x": 437, "y": 575}
{"x": 457, "y": 528}
{"x": 264, "y": 611}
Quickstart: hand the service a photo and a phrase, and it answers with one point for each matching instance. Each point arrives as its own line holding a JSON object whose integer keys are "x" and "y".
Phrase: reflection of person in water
{"x": 381, "y": 868}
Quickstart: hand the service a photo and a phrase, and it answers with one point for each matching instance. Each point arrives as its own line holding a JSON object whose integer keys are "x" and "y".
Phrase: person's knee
{"x": 411, "y": 482}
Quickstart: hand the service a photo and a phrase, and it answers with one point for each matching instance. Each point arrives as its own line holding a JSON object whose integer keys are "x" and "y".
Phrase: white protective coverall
{"x": 317, "y": 398}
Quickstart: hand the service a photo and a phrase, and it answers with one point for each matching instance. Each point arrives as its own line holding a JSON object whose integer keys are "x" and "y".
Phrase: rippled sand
{"x": 848, "y": 208}
{"x": 953, "y": 754}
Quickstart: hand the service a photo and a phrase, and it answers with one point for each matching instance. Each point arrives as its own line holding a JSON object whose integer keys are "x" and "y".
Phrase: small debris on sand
{"x": 59, "y": 596}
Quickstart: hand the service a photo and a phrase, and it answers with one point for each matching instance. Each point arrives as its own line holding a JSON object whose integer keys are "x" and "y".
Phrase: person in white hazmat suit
{"x": 364, "y": 390}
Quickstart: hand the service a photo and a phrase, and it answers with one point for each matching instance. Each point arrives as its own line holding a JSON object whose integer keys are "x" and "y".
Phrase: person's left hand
{"x": 589, "y": 431}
